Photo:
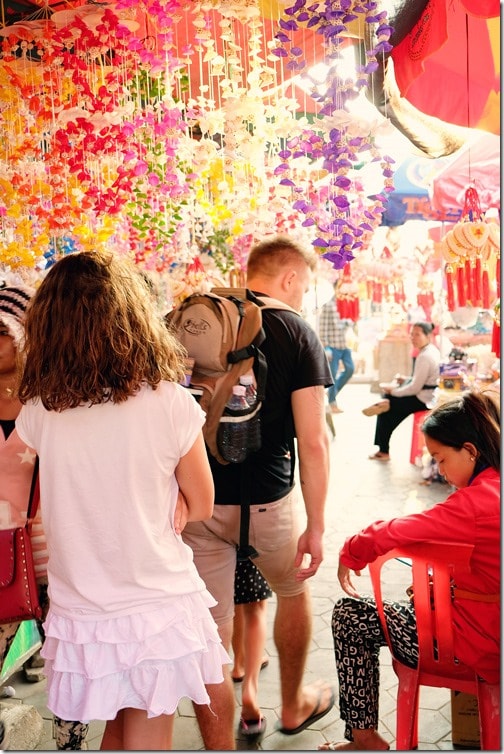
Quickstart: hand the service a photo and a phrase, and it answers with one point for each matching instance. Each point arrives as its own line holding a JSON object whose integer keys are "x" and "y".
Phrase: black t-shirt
{"x": 296, "y": 360}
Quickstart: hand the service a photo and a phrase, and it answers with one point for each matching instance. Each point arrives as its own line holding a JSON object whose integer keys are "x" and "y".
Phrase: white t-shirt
{"x": 108, "y": 495}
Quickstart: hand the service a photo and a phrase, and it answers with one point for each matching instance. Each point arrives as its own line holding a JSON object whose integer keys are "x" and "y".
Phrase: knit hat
{"x": 13, "y": 303}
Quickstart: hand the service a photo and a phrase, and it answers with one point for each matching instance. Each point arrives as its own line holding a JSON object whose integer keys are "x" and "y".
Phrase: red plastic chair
{"x": 417, "y": 437}
{"x": 433, "y": 567}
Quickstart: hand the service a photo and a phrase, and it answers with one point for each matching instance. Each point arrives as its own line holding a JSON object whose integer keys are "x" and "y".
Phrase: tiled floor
{"x": 361, "y": 491}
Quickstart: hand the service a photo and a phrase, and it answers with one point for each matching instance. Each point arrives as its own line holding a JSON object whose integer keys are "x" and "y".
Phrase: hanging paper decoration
{"x": 469, "y": 248}
{"x": 347, "y": 296}
{"x": 425, "y": 295}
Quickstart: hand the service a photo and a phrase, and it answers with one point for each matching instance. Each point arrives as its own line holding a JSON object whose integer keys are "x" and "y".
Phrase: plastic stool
{"x": 417, "y": 438}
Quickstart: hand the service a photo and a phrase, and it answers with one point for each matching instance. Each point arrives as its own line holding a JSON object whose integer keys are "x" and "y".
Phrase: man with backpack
{"x": 287, "y": 555}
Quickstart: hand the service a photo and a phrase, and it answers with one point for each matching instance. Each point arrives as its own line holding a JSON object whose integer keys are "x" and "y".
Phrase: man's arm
{"x": 313, "y": 451}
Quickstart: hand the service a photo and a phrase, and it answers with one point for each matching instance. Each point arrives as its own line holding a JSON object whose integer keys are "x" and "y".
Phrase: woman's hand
{"x": 181, "y": 514}
{"x": 345, "y": 581}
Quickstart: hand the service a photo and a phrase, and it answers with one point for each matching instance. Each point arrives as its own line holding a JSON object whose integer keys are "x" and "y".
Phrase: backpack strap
{"x": 245, "y": 549}
{"x": 250, "y": 336}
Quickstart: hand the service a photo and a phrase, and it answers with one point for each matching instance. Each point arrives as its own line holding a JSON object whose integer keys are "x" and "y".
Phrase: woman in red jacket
{"x": 463, "y": 436}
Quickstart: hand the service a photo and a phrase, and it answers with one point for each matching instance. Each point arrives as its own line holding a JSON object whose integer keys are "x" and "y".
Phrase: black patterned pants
{"x": 358, "y": 636}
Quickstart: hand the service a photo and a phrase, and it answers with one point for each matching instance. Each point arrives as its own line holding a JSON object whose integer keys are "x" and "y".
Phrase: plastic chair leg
{"x": 489, "y": 716}
{"x": 407, "y": 709}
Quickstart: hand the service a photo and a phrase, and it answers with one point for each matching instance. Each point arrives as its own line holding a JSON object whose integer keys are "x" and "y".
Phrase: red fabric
{"x": 468, "y": 515}
{"x": 427, "y": 36}
{"x": 482, "y": 8}
{"x": 431, "y": 63}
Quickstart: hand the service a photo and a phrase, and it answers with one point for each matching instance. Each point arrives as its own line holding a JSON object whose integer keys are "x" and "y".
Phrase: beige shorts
{"x": 274, "y": 532}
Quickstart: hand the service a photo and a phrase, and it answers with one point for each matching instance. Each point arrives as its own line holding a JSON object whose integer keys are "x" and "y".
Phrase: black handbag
{"x": 18, "y": 586}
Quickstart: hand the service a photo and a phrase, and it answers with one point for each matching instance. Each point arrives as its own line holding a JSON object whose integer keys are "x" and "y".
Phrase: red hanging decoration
{"x": 476, "y": 277}
{"x": 472, "y": 207}
{"x": 496, "y": 338}
{"x": 461, "y": 286}
{"x": 450, "y": 291}
{"x": 469, "y": 283}
{"x": 497, "y": 276}
{"x": 485, "y": 288}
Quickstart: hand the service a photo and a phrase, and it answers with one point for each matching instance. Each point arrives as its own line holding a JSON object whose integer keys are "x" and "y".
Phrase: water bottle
{"x": 254, "y": 426}
{"x": 232, "y": 435}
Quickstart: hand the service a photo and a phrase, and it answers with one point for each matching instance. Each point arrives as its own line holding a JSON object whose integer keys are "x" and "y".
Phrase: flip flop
{"x": 252, "y": 729}
{"x": 377, "y": 408}
{"x": 309, "y": 720}
{"x": 239, "y": 679}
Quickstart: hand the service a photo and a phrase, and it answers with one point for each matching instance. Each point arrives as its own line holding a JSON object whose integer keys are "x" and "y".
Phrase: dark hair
{"x": 93, "y": 334}
{"x": 474, "y": 418}
{"x": 426, "y": 327}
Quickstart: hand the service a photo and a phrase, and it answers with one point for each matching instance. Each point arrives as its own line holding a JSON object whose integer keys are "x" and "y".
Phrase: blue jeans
{"x": 345, "y": 356}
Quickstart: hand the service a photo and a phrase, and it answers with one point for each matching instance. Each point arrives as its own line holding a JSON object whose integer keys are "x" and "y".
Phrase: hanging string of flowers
{"x": 343, "y": 225}
{"x": 99, "y": 124}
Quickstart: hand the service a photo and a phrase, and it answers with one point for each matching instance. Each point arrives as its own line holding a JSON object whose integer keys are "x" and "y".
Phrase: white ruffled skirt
{"x": 148, "y": 660}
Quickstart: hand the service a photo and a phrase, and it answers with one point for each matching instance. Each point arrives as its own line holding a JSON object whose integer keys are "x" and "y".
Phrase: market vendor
{"x": 406, "y": 395}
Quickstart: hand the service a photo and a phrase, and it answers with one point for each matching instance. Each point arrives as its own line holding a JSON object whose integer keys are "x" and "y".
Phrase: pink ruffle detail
{"x": 148, "y": 661}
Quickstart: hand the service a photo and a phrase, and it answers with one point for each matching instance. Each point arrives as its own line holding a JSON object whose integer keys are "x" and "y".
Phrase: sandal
{"x": 379, "y": 456}
{"x": 252, "y": 729}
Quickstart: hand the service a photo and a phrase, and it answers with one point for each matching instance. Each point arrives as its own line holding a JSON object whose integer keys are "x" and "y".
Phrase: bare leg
{"x": 255, "y": 639}
{"x": 238, "y": 643}
{"x": 217, "y": 722}
{"x": 132, "y": 730}
{"x": 292, "y": 633}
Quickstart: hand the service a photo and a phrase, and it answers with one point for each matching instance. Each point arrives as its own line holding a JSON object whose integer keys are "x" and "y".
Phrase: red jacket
{"x": 472, "y": 515}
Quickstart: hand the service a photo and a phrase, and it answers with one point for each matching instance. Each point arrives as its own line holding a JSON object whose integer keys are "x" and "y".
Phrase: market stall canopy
{"x": 410, "y": 199}
{"x": 477, "y": 164}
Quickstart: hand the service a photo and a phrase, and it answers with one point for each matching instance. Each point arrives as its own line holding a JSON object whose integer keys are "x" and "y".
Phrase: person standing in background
{"x": 332, "y": 333}
{"x": 406, "y": 395}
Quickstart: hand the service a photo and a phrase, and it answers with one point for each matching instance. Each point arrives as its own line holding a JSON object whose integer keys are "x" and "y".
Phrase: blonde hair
{"x": 271, "y": 256}
{"x": 93, "y": 334}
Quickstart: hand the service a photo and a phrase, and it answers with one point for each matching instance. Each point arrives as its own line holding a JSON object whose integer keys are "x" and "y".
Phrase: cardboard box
{"x": 465, "y": 721}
